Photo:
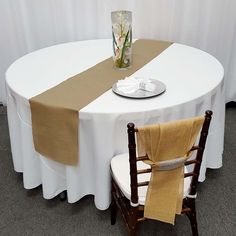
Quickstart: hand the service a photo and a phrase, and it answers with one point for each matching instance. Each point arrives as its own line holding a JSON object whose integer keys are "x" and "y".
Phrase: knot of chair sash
{"x": 168, "y": 164}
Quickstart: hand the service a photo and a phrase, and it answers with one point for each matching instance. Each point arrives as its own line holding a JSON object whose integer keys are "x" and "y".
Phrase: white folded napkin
{"x": 132, "y": 84}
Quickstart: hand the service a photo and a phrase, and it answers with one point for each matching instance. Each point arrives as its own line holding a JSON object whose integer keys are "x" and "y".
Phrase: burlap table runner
{"x": 55, "y": 112}
{"x": 163, "y": 142}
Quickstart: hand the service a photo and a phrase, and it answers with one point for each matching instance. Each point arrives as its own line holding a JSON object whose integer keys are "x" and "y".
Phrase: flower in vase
{"x": 122, "y": 39}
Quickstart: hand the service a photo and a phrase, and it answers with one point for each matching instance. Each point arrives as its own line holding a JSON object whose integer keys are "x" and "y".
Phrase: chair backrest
{"x": 133, "y": 159}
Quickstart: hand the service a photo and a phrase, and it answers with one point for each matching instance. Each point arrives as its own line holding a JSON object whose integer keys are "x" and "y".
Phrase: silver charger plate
{"x": 141, "y": 93}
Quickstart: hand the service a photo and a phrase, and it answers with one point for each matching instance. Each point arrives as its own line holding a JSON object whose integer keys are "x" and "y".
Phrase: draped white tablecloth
{"x": 194, "y": 81}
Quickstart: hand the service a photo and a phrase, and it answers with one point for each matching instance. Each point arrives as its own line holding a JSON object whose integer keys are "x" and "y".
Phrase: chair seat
{"x": 121, "y": 174}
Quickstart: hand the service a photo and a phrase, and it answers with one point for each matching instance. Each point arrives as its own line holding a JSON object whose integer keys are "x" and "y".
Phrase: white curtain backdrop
{"x": 28, "y": 25}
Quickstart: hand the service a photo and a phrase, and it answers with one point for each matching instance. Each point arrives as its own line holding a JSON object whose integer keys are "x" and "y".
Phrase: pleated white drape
{"x": 27, "y": 25}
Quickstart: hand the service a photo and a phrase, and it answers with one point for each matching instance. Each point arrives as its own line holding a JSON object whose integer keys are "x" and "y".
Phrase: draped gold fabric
{"x": 55, "y": 112}
{"x": 164, "y": 142}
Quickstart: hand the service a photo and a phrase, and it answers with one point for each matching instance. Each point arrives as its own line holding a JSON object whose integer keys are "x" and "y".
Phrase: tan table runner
{"x": 55, "y": 112}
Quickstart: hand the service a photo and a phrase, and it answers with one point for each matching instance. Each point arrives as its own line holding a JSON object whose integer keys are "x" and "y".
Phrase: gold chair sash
{"x": 162, "y": 143}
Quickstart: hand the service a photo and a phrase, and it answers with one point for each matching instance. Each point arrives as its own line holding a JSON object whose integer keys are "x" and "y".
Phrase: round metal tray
{"x": 141, "y": 93}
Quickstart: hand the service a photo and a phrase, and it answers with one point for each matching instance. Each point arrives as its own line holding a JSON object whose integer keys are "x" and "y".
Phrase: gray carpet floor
{"x": 25, "y": 212}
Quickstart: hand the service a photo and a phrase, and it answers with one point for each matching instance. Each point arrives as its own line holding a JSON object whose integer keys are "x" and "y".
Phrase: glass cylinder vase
{"x": 122, "y": 38}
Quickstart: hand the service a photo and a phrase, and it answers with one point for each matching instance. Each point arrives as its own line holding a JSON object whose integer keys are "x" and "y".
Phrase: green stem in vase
{"x": 130, "y": 37}
{"x": 123, "y": 50}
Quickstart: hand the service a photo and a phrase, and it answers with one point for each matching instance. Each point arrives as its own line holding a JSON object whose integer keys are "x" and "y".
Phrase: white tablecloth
{"x": 194, "y": 81}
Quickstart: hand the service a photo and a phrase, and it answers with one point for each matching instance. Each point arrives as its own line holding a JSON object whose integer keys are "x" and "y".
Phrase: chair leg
{"x": 133, "y": 223}
{"x": 193, "y": 219}
{"x": 133, "y": 231}
{"x": 113, "y": 211}
{"x": 63, "y": 196}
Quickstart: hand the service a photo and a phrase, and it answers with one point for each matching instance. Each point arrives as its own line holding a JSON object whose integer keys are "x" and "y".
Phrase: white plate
{"x": 141, "y": 93}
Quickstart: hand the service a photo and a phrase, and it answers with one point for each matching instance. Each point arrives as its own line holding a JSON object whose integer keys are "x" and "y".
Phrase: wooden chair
{"x": 130, "y": 174}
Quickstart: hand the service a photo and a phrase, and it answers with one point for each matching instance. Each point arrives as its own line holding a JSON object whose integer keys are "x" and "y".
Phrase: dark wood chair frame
{"x": 133, "y": 214}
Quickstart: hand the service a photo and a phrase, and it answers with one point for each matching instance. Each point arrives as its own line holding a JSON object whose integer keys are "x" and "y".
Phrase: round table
{"x": 194, "y": 81}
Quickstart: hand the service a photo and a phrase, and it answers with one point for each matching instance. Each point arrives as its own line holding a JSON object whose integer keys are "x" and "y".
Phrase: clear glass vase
{"x": 122, "y": 38}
